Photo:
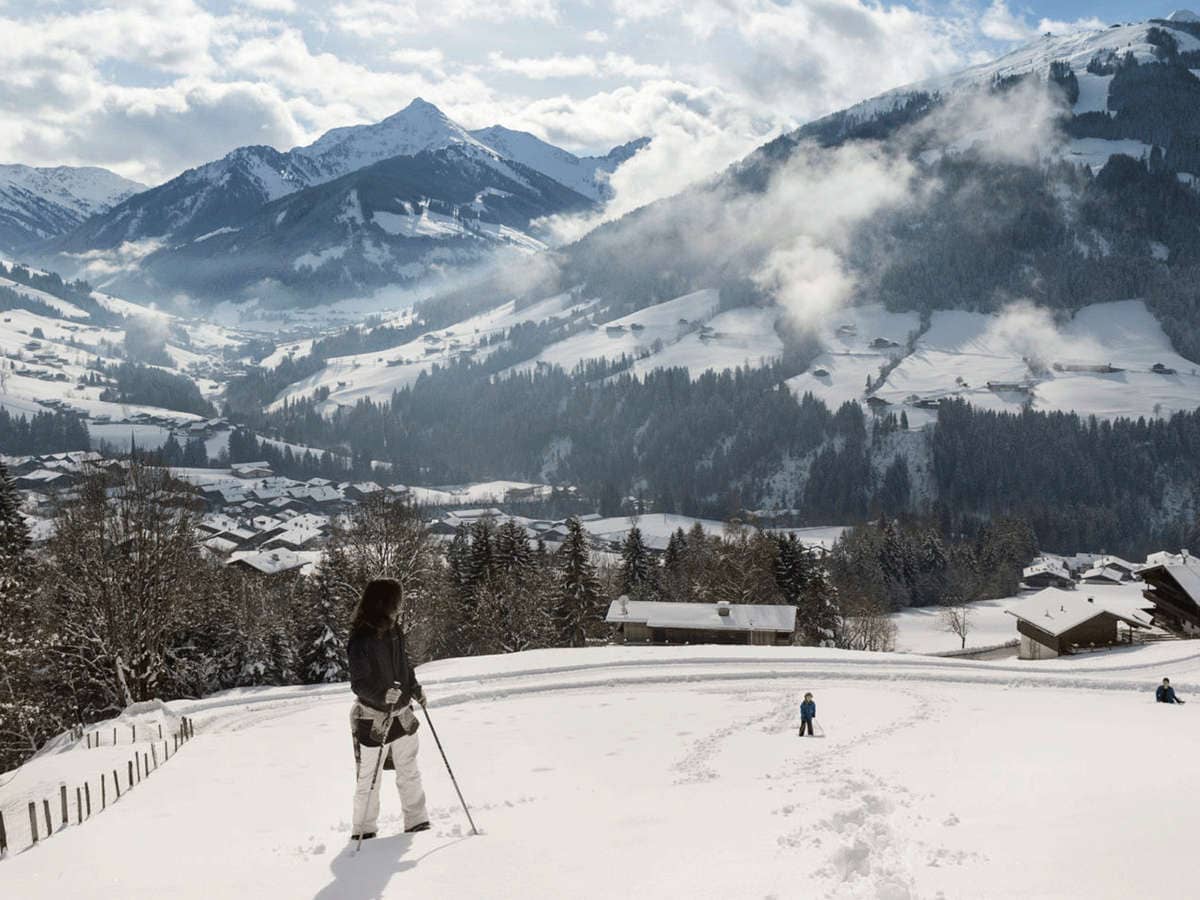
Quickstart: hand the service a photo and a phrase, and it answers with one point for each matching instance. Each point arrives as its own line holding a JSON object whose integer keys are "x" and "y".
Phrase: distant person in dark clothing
{"x": 1166, "y": 693}
{"x": 384, "y": 685}
{"x": 808, "y": 712}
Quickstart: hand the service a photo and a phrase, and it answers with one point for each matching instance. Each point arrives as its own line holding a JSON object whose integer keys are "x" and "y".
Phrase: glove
{"x": 392, "y": 696}
{"x": 419, "y": 695}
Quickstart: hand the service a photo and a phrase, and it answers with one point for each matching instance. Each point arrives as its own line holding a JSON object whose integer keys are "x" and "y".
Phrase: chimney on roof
{"x": 1091, "y": 599}
{"x": 723, "y": 608}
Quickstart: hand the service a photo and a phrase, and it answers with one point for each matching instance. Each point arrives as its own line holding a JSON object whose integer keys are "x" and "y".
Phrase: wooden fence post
{"x": 133, "y": 731}
{"x": 46, "y": 810}
{"x": 103, "y": 791}
{"x": 79, "y": 805}
{"x": 33, "y": 820}
{"x": 87, "y": 798}
{"x": 137, "y": 766}
{"x": 117, "y": 784}
{"x": 154, "y": 754}
{"x": 3, "y": 837}
{"x": 131, "y": 774}
{"x": 176, "y": 742}
{"x": 114, "y": 735}
{"x": 160, "y": 730}
{"x": 146, "y": 763}
{"x": 66, "y": 816}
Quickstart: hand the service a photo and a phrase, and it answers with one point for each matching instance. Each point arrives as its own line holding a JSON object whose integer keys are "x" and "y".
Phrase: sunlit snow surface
{"x": 668, "y": 772}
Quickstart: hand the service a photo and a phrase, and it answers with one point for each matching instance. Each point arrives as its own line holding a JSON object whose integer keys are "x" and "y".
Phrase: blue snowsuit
{"x": 808, "y": 712}
{"x": 1166, "y": 694}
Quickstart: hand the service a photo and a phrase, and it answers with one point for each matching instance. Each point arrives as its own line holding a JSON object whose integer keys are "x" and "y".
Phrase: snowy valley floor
{"x": 674, "y": 772}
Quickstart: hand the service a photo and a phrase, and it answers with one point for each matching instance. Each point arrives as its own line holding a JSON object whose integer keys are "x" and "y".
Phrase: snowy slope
{"x": 586, "y": 175}
{"x": 963, "y": 351}
{"x": 656, "y": 772}
{"x": 839, "y": 375}
{"x": 38, "y": 203}
{"x": 1077, "y": 48}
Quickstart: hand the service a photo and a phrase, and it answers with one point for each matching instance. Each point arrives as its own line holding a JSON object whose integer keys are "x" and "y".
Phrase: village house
{"x": 1047, "y": 573}
{"x": 1103, "y": 575}
{"x": 261, "y": 469}
{"x": 1055, "y": 622}
{"x": 652, "y": 621}
{"x": 1173, "y": 590}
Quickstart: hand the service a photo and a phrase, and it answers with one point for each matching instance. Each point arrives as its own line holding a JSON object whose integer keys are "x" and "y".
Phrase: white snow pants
{"x": 408, "y": 782}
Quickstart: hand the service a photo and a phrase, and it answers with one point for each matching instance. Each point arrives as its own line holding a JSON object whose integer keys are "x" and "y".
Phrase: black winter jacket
{"x": 376, "y": 662}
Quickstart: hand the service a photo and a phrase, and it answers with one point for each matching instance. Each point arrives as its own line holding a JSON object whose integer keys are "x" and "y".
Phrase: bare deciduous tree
{"x": 956, "y": 618}
{"x": 121, "y": 560}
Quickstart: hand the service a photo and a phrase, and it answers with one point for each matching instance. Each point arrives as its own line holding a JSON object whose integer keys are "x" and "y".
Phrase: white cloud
{"x": 148, "y": 87}
{"x": 559, "y": 66}
{"x": 384, "y": 18}
{"x": 283, "y": 6}
{"x": 556, "y": 66}
{"x": 1001, "y": 24}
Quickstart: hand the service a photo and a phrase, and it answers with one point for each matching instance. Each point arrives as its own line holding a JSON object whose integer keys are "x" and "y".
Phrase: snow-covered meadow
{"x": 674, "y": 772}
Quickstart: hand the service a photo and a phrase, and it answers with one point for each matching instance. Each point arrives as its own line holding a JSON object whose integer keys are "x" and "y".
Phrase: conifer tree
{"x": 577, "y": 596}
{"x": 324, "y": 648}
{"x": 636, "y": 566}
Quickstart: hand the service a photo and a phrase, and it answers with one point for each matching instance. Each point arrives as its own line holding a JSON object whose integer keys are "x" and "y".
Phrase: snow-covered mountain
{"x": 395, "y": 222}
{"x": 587, "y": 175}
{"x": 228, "y": 194}
{"x": 40, "y": 203}
{"x": 419, "y": 126}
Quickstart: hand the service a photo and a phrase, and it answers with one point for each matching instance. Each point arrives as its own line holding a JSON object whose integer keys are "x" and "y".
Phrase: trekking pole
{"x": 453, "y": 780}
{"x": 387, "y": 727}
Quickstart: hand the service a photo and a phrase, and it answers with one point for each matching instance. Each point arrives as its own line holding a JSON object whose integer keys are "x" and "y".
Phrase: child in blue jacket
{"x": 808, "y": 712}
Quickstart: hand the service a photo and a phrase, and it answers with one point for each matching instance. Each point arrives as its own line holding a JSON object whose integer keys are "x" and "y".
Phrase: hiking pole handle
{"x": 453, "y": 780}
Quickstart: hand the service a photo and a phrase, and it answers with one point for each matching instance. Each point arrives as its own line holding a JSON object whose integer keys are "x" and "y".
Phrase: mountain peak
{"x": 1183, "y": 15}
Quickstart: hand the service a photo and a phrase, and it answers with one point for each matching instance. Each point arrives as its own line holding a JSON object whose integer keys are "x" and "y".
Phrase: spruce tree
{"x": 577, "y": 597}
{"x": 636, "y": 566}
{"x": 324, "y": 648}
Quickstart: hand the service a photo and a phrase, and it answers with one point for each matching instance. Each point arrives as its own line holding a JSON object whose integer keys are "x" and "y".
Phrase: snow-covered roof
{"x": 1104, "y": 573}
{"x": 274, "y": 562}
{"x": 1056, "y": 611}
{"x": 1166, "y": 558}
{"x": 1047, "y": 566}
{"x": 1187, "y": 577}
{"x": 705, "y": 616}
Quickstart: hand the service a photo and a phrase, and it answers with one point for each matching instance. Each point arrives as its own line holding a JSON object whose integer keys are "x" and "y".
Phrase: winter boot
{"x": 420, "y": 826}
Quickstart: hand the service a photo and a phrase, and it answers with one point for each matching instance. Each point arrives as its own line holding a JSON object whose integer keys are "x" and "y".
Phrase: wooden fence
{"x": 77, "y": 803}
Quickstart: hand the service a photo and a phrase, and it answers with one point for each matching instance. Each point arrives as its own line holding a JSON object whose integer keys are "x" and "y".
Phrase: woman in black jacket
{"x": 384, "y": 684}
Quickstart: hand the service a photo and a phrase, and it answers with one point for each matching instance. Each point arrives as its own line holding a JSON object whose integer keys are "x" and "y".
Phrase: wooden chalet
{"x": 1047, "y": 573}
{"x": 1055, "y": 623}
{"x": 657, "y": 622}
{"x": 1174, "y": 594}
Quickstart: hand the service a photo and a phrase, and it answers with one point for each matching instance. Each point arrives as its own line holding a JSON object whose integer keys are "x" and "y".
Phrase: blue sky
{"x": 150, "y": 87}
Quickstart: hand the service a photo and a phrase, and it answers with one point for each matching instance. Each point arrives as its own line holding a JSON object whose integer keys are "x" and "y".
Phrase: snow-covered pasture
{"x": 990, "y": 624}
{"x": 659, "y": 772}
{"x": 963, "y": 351}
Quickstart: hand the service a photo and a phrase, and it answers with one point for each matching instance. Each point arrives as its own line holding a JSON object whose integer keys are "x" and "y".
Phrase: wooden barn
{"x": 657, "y": 622}
{"x": 1173, "y": 590}
{"x": 1055, "y": 623}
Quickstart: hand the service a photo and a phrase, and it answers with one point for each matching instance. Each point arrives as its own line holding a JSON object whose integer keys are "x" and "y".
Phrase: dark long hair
{"x": 376, "y": 610}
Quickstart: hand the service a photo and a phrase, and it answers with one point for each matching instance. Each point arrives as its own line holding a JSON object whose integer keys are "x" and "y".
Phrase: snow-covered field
{"x": 963, "y": 351}
{"x": 673, "y": 772}
{"x": 920, "y": 629}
